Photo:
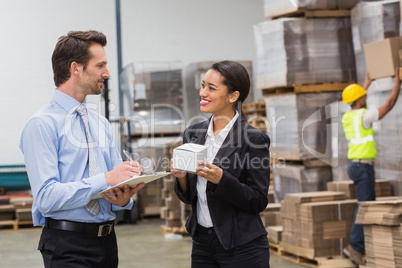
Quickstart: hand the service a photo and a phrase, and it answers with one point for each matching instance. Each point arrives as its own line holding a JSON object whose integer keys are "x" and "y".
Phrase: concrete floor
{"x": 140, "y": 245}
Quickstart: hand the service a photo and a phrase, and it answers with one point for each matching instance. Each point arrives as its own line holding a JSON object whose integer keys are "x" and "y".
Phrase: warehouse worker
{"x": 70, "y": 155}
{"x": 357, "y": 124}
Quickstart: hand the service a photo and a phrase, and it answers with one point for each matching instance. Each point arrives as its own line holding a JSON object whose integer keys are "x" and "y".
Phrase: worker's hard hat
{"x": 352, "y": 93}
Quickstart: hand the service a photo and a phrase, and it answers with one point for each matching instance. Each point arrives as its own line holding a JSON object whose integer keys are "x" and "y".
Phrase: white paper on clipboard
{"x": 133, "y": 182}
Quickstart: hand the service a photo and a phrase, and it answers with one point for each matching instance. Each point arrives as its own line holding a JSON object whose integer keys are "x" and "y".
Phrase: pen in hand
{"x": 129, "y": 158}
{"x": 128, "y": 155}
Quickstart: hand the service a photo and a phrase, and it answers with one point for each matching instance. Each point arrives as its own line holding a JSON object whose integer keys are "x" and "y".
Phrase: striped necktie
{"x": 93, "y": 205}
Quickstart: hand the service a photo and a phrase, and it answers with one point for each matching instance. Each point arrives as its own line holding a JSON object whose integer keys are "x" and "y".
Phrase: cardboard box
{"x": 187, "y": 156}
{"x": 382, "y": 57}
{"x": 275, "y": 234}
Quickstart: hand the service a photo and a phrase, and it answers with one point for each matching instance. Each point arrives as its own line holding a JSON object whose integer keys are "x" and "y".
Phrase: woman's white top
{"x": 213, "y": 143}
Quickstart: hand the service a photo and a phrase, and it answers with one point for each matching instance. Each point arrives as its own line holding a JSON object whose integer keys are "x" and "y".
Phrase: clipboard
{"x": 133, "y": 182}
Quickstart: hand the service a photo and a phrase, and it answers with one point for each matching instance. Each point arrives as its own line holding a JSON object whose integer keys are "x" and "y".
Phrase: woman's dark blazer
{"x": 242, "y": 193}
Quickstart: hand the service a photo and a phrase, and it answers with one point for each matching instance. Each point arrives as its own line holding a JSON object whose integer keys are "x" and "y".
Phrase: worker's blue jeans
{"x": 364, "y": 178}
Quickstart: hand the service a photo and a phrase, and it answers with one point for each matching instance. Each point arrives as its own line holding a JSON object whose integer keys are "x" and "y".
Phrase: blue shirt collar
{"x": 67, "y": 102}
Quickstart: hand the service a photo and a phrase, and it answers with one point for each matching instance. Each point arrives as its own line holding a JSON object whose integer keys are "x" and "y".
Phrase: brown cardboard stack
{"x": 380, "y": 212}
{"x": 275, "y": 234}
{"x": 171, "y": 211}
{"x": 382, "y": 188}
{"x": 271, "y": 194}
{"x": 23, "y": 208}
{"x": 7, "y": 212}
{"x": 150, "y": 199}
{"x": 383, "y": 246}
{"x": 382, "y": 232}
{"x": 17, "y": 209}
{"x": 174, "y": 211}
{"x": 271, "y": 215}
{"x": 316, "y": 224}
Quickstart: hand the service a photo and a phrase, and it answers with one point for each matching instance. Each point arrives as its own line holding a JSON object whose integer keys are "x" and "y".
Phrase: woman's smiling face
{"x": 215, "y": 98}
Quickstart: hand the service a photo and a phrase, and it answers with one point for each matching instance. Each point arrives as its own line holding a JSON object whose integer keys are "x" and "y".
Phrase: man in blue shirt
{"x": 70, "y": 155}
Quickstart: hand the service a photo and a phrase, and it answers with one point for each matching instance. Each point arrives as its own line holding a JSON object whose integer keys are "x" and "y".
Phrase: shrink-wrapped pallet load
{"x": 303, "y": 51}
{"x": 275, "y": 8}
{"x": 372, "y": 22}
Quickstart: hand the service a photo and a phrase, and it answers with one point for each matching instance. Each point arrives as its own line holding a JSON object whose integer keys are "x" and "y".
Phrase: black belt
{"x": 98, "y": 229}
{"x": 364, "y": 161}
{"x": 208, "y": 230}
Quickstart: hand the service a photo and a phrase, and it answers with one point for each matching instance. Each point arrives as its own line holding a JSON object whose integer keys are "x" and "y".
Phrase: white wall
{"x": 152, "y": 30}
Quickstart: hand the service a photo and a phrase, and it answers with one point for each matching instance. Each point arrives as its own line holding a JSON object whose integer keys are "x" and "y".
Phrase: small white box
{"x": 187, "y": 156}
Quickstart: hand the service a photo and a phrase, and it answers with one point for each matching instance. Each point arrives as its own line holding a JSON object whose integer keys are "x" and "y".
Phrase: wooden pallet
{"x": 254, "y": 108}
{"x": 259, "y": 122}
{"x": 173, "y": 230}
{"x": 319, "y": 262}
{"x": 274, "y": 248}
{"x": 15, "y": 225}
{"x": 297, "y": 89}
{"x": 322, "y": 13}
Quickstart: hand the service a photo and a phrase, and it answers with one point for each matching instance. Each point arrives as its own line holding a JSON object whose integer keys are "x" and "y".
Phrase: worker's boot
{"x": 353, "y": 255}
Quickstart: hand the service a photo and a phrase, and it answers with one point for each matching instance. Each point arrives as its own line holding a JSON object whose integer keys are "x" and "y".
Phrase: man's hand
{"x": 367, "y": 81}
{"x": 123, "y": 172}
{"x": 397, "y": 77}
{"x": 121, "y": 198}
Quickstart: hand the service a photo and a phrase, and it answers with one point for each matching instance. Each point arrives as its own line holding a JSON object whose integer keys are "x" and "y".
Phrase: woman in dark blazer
{"x": 230, "y": 189}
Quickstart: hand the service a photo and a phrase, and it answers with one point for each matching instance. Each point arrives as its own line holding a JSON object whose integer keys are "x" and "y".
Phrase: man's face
{"x": 96, "y": 72}
{"x": 363, "y": 101}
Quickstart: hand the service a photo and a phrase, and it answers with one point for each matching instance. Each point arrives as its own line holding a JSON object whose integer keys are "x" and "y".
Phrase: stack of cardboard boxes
{"x": 316, "y": 224}
{"x": 382, "y": 188}
{"x": 16, "y": 211}
{"x": 382, "y": 232}
{"x": 174, "y": 212}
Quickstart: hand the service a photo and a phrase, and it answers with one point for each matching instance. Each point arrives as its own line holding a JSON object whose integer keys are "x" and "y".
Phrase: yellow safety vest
{"x": 361, "y": 144}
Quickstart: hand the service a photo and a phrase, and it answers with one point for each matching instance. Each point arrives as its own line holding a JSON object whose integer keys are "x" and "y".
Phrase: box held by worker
{"x": 382, "y": 57}
{"x": 187, "y": 156}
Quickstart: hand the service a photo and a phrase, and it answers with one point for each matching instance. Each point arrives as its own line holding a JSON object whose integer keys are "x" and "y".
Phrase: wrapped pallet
{"x": 372, "y": 22}
{"x": 298, "y": 178}
{"x": 274, "y": 8}
{"x": 298, "y": 125}
{"x": 303, "y": 51}
{"x": 153, "y": 94}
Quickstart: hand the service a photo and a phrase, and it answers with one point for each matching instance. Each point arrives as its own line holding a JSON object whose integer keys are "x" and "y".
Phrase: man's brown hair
{"x": 73, "y": 47}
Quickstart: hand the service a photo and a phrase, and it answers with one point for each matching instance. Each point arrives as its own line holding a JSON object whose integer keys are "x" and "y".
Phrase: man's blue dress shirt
{"x": 56, "y": 157}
